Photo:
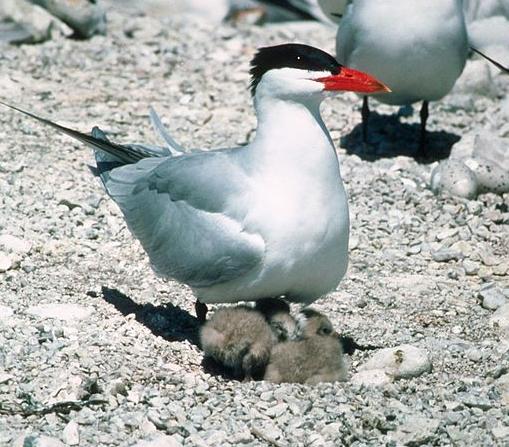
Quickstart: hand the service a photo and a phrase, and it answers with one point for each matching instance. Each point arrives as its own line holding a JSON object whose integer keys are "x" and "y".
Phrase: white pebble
{"x": 371, "y": 378}
{"x": 501, "y": 317}
{"x": 71, "y": 435}
{"x": 14, "y": 244}
{"x": 401, "y": 362}
{"x": 62, "y": 311}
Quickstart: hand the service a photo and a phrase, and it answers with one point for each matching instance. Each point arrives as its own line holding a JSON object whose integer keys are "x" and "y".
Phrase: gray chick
{"x": 317, "y": 356}
{"x": 239, "y": 338}
{"x": 277, "y": 314}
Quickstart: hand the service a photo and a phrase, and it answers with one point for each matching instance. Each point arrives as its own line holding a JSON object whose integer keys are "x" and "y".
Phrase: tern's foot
{"x": 201, "y": 310}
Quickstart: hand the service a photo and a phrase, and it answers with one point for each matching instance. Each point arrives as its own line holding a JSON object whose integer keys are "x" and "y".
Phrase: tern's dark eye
{"x": 325, "y": 331}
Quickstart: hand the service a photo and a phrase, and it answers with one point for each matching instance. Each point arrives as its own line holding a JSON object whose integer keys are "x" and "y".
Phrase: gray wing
{"x": 180, "y": 209}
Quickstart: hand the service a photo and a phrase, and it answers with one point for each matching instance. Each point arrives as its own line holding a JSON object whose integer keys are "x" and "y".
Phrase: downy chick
{"x": 277, "y": 314}
{"x": 239, "y": 338}
{"x": 316, "y": 357}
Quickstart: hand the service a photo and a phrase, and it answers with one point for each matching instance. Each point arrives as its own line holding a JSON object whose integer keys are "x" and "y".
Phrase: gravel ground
{"x": 96, "y": 350}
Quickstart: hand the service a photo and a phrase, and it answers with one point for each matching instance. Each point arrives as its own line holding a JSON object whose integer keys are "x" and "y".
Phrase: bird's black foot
{"x": 365, "y": 119}
{"x": 201, "y": 310}
{"x": 422, "y": 153}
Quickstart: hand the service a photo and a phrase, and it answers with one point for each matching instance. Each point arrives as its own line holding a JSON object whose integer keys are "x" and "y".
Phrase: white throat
{"x": 291, "y": 131}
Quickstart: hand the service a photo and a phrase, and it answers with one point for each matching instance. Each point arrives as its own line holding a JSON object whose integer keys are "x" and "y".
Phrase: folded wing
{"x": 185, "y": 213}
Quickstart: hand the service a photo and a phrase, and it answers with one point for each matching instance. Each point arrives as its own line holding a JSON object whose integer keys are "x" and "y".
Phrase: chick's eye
{"x": 325, "y": 331}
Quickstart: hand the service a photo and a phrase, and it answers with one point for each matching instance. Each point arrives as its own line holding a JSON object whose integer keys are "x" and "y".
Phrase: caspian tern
{"x": 417, "y": 47}
{"x": 263, "y": 220}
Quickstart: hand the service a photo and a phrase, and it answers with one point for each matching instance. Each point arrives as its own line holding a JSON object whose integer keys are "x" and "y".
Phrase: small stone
{"x": 42, "y": 441}
{"x": 401, "y": 362}
{"x": 503, "y": 385}
{"x": 445, "y": 234}
{"x": 242, "y": 436}
{"x": 38, "y": 24}
{"x": 484, "y": 272}
{"x": 475, "y": 207}
{"x": 14, "y": 244}
{"x": 445, "y": 255}
{"x": 158, "y": 440}
{"x": 371, "y": 378}
{"x": 147, "y": 427}
{"x": 501, "y": 269}
{"x": 471, "y": 267}
{"x": 60, "y": 311}
{"x": 416, "y": 430}
{"x": 118, "y": 386}
{"x": 5, "y": 312}
{"x": 85, "y": 17}
{"x": 414, "y": 249}
{"x": 492, "y": 298}
{"x": 4, "y": 377}
{"x": 501, "y": 432}
{"x": 475, "y": 355}
{"x": 276, "y": 410}
{"x": 488, "y": 259}
{"x": 473, "y": 401}
{"x": 501, "y": 317}
{"x": 71, "y": 435}
{"x": 6, "y": 262}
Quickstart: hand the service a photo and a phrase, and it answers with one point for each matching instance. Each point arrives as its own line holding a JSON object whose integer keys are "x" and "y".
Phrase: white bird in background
{"x": 482, "y": 9}
{"x": 417, "y": 47}
{"x": 263, "y": 220}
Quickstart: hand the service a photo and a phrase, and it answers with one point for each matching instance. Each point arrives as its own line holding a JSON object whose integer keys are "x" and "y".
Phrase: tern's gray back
{"x": 180, "y": 209}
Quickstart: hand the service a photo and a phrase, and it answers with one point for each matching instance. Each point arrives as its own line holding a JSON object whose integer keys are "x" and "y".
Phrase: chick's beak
{"x": 351, "y": 80}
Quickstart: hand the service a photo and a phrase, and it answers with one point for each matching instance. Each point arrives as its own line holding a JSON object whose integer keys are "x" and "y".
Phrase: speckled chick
{"x": 316, "y": 357}
{"x": 238, "y": 338}
{"x": 277, "y": 314}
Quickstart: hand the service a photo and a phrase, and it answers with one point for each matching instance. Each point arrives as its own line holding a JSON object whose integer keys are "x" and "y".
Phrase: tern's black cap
{"x": 291, "y": 55}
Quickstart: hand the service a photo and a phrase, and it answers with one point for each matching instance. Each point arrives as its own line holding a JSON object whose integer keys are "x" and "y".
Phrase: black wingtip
{"x": 493, "y": 61}
{"x": 100, "y": 142}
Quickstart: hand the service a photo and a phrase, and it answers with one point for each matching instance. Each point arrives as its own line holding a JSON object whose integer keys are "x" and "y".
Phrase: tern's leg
{"x": 365, "y": 118}
{"x": 201, "y": 311}
{"x": 424, "y": 119}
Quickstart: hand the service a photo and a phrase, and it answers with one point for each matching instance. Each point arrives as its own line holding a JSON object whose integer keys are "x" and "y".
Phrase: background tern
{"x": 418, "y": 48}
{"x": 263, "y": 220}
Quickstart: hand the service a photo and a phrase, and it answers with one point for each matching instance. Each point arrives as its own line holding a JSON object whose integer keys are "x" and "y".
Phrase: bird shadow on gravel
{"x": 388, "y": 137}
{"x": 167, "y": 321}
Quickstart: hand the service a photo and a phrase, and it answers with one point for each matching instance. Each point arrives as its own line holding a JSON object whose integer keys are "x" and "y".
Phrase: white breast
{"x": 418, "y": 48}
{"x": 298, "y": 205}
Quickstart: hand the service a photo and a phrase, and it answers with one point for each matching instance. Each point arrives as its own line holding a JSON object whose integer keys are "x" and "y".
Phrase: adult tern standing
{"x": 263, "y": 220}
{"x": 417, "y": 47}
